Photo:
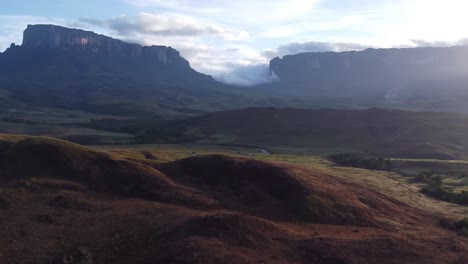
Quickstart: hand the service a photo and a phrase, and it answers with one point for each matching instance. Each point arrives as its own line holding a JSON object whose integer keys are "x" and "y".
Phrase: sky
{"x": 234, "y": 40}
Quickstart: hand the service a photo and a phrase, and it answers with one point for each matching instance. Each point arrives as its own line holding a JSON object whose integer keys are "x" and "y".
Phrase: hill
{"x": 431, "y": 79}
{"x": 78, "y": 205}
{"x": 391, "y": 133}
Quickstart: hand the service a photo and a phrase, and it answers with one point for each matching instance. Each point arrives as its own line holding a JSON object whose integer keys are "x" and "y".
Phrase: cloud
{"x": 234, "y": 12}
{"x": 253, "y": 73}
{"x": 223, "y": 56}
{"x": 312, "y": 46}
{"x": 425, "y": 43}
{"x": 246, "y": 75}
{"x": 236, "y": 65}
{"x": 316, "y": 46}
{"x": 165, "y": 24}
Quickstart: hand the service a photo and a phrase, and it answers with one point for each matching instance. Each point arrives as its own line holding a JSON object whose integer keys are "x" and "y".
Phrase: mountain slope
{"x": 385, "y": 132}
{"x": 78, "y": 205}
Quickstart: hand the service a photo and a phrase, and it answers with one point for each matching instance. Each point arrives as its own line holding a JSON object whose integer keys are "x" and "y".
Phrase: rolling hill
{"x": 72, "y": 204}
{"x": 391, "y": 133}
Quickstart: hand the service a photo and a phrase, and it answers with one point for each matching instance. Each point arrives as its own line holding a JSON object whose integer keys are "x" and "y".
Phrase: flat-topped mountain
{"x": 56, "y": 37}
{"x": 432, "y": 78}
{"x": 58, "y": 67}
{"x": 71, "y": 68}
{"x": 444, "y": 61}
{"x": 86, "y": 51}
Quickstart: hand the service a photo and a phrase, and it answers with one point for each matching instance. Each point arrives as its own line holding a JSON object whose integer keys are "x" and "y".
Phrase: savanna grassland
{"x": 398, "y": 181}
{"x": 212, "y": 204}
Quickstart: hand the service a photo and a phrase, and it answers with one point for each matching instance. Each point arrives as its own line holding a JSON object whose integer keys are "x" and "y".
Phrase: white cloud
{"x": 246, "y": 75}
{"x": 236, "y": 12}
{"x": 165, "y": 24}
{"x": 228, "y": 65}
{"x": 312, "y": 46}
{"x": 210, "y": 48}
{"x": 435, "y": 19}
{"x": 279, "y": 32}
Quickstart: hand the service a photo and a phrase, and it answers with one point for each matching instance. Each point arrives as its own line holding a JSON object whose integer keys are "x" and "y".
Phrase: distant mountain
{"x": 393, "y": 133}
{"x": 57, "y": 67}
{"x": 426, "y": 78}
{"x": 163, "y": 63}
{"x": 71, "y": 68}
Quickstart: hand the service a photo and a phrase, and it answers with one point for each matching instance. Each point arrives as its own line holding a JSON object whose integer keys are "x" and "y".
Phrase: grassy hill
{"x": 385, "y": 132}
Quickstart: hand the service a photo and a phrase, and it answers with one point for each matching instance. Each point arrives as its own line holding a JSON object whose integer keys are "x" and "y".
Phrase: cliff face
{"x": 433, "y": 79}
{"x": 410, "y": 63}
{"x": 56, "y": 37}
{"x": 72, "y": 50}
{"x": 429, "y": 78}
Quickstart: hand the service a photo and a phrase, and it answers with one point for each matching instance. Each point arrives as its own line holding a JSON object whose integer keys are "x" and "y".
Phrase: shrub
{"x": 436, "y": 189}
{"x": 361, "y": 160}
{"x": 460, "y": 227}
{"x": 424, "y": 176}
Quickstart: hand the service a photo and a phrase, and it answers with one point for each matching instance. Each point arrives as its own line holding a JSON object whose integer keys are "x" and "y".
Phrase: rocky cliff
{"x": 433, "y": 79}
{"x": 56, "y": 37}
{"x": 412, "y": 63}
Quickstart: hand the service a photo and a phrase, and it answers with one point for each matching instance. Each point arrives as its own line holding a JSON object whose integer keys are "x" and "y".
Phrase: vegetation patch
{"x": 424, "y": 177}
{"x": 436, "y": 188}
{"x": 434, "y": 184}
{"x": 461, "y": 227}
{"x": 361, "y": 160}
{"x": 146, "y": 130}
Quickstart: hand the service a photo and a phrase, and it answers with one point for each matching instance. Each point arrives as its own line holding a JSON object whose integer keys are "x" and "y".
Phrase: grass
{"x": 67, "y": 132}
{"x": 393, "y": 184}
{"x": 397, "y": 185}
{"x": 454, "y": 173}
{"x": 44, "y": 115}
